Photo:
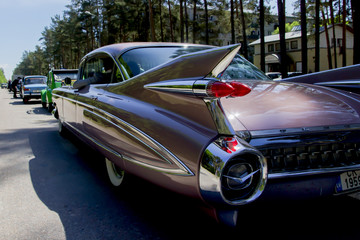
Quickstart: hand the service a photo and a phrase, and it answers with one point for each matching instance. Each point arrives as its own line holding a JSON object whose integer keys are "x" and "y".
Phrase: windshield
{"x": 240, "y": 68}
{"x": 61, "y": 76}
{"x": 34, "y": 81}
{"x": 140, "y": 60}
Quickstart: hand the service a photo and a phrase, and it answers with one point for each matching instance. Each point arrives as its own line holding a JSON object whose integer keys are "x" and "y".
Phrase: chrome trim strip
{"x": 313, "y": 172}
{"x": 185, "y": 86}
{"x": 221, "y": 122}
{"x": 350, "y": 82}
{"x": 176, "y": 86}
{"x": 66, "y": 98}
{"x": 200, "y": 86}
{"x": 303, "y": 130}
{"x": 94, "y": 141}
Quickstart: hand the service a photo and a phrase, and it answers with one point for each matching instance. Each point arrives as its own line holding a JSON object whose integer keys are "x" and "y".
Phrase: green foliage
{"x": 89, "y": 24}
{"x": 288, "y": 27}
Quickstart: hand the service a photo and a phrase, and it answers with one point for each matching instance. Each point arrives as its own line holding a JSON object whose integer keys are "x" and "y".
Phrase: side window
{"x": 99, "y": 69}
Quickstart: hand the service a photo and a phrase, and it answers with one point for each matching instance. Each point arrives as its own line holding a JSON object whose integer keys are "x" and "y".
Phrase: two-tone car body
{"x": 56, "y": 78}
{"x": 204, "y": 122}
{"x": 31, "y": 87}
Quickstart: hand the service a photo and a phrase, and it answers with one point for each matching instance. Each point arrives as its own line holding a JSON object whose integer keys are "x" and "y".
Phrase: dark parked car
{"x": 204, "y": 122}
{"x": 31, "y": 87}
{"x": 345, "y": 78}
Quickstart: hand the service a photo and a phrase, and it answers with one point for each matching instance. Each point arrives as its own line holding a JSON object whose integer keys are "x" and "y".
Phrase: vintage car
{"x": 31, "y": 87}
{"x": 204, "y": 122}
{"x": 55, "y": 79}
{"x": 345, "y": 78}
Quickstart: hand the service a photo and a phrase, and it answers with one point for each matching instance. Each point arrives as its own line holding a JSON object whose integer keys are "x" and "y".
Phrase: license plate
{"x": 348, "y": 180}
{"x": 36, "y": 91}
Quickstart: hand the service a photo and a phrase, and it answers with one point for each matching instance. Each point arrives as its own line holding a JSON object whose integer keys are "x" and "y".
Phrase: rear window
{"x": 62, "y": 75}
{"x": 140, "y": 60}
{"x": 241, "y": 69}
{"x": 34, "y": 81}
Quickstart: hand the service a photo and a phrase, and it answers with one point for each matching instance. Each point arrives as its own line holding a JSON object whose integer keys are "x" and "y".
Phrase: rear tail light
{"x": 240, "y": 89}
{"x": 222, "y": 89}
{"x": 26, "y": 89}
{"x": 228, "y": 144}
{"x": 205, "y": 88}
{"x": 219, "y": 89}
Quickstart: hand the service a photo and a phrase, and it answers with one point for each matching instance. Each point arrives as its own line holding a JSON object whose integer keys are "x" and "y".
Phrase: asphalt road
{"x": 53, "y": 187}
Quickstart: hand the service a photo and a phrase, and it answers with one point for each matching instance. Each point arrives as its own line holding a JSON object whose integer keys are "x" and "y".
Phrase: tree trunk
{"x": 152, "y": 25}
{"x": 171, "y": 26}
{"x": 243, "y": 23}
{"x": 181, "y": 21}
{"x": 206, "y": 23}
{"x": 161, "y": 21}
{"x": 344, "y": 34}
{"x": 327, "y": 40}
{"x": 186, "y": 22}
{"x": 262, "y": 36}
{"x": 283, "y": 63}
{"x": 317, "y": 35}
{"x": 232, "y": 22}
{"x": 333, "y": 31}
{"x": 194, "y": 22}
{"x": 304, "y": 50}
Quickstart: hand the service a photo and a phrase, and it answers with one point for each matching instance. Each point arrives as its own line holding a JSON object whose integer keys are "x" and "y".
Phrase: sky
{"x": 23, "y": 21}
{"x": 21, "y": 25}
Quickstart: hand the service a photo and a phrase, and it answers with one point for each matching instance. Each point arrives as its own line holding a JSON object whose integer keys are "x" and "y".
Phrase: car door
{"x": 99, "y": 69}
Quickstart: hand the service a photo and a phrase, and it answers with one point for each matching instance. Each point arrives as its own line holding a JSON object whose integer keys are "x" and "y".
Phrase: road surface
{"x": 53, "y": 187}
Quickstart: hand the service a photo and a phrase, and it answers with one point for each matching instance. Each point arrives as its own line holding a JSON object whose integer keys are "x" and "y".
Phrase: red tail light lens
{"x": 219, "y": 89}
{"x": 222, "y": 89}
{"x": 240, "y": 89}
{"x": 229, "y": 144}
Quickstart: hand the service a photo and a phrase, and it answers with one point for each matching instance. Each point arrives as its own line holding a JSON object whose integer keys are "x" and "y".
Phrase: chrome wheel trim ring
{"x": 115, "y": 174}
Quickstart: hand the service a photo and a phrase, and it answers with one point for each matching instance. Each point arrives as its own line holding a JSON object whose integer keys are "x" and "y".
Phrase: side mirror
{"x": 81, "y": 83}
{"x": 67, "y": 81}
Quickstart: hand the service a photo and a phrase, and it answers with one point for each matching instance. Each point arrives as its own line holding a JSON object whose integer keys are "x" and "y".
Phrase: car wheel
{"x": 115, "y": 174}
{"x": 61, "y": 129}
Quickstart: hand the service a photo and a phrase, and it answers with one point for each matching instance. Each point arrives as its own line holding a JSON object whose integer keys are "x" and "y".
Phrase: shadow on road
{"x": 68, "y": 178}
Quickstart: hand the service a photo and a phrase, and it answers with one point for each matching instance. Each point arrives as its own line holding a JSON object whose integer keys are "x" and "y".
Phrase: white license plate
{"x": 36, "y": 91}
{"x": 348, "y": 180}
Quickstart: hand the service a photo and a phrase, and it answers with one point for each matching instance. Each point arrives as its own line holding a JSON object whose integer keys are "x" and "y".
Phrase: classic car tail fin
{"x": 208, "y": 63}
{"x": 198, "y": 73}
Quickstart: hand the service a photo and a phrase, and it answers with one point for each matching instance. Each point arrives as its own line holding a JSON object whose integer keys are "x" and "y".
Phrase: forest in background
{"x": 89, "y": 24}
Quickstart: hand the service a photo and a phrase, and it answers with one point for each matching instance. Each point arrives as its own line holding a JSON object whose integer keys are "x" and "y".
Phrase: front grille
{"x": 315, "y": 156}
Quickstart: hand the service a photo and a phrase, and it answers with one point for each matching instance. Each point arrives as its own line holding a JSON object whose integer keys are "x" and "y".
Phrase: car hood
{"x": 276, "y": 105}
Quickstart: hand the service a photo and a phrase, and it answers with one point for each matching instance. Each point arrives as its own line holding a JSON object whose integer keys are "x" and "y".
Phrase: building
{"x": 293, "y": 50}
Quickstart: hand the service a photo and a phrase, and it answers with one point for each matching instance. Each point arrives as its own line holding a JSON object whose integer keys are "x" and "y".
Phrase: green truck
{"x": 56, "y": 78}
